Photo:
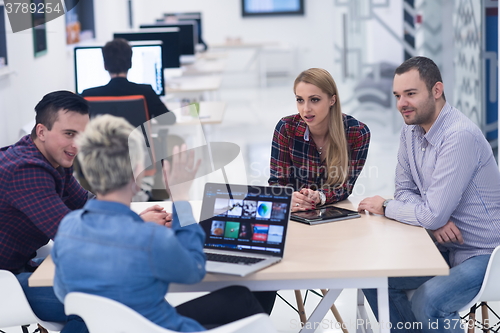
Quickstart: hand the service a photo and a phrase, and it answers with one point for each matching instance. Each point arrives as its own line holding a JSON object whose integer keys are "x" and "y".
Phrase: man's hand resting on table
{"x": 372, "y": 205}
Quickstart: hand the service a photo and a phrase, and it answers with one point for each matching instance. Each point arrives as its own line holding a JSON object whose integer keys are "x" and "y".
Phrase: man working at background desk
{"x": 38, "y": 189}
{"x": 117, "y": 55}
{"x": 447, "y": 181}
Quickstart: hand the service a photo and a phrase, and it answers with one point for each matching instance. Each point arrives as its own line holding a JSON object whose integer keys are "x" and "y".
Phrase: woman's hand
{"x": 156, "y": 214}
{"x": 305, "y": 199}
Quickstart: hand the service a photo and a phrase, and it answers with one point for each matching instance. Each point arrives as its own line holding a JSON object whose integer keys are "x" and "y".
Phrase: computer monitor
{"x": 170, "y": 38}
{"x": 188, "y": 34}
{"x": 146, "y": 67}
{"x": 185, "y": 16}
{"x": 251, "y": 8}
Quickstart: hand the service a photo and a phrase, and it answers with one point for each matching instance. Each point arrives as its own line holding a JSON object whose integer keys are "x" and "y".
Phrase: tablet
{"x": 323, "y": 215}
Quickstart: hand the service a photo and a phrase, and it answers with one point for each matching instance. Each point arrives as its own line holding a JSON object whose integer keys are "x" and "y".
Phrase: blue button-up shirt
{"x": 449, "y": 173}
{"x": 106, "y": 249}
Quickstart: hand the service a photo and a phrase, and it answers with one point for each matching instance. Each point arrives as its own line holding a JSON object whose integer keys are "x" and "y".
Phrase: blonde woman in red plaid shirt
{"x": 320, "y": 151}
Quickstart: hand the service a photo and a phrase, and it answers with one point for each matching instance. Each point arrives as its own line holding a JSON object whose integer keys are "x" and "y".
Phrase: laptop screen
{"x": 246, "y": 218}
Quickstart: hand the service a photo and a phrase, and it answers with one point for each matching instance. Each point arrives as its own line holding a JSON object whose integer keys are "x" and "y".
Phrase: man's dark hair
{"x": 117, "y": 56}
{"x": 47, "y": 109}
{"x": 427, "y": 69}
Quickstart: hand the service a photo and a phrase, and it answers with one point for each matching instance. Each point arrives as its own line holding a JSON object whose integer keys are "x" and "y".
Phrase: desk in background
{"x": 257, "y": 58}
{"x": 210, "y": 112}
{"x": 199, "y": 87}
{"x": 357, "y": 253}
{"x": 211, "y": 55}
{"x": 204, "y": 67}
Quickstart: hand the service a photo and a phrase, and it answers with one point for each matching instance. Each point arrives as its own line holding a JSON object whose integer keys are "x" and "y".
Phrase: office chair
{"x": 104, "y": 315}
{"x": 134, "y": 109}
{"x": 490, "y": 291}
{"x": 15, "y": 309}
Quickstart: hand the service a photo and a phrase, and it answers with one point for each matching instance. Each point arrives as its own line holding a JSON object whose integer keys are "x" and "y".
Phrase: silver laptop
{"x": 245, "y": 226}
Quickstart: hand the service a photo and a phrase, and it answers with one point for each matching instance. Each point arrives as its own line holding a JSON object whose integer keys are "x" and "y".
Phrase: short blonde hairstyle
{"x": 110, "y": 150}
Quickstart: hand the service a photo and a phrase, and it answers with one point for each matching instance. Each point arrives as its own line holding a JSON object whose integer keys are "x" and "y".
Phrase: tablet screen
{"x": 326, "y": 213}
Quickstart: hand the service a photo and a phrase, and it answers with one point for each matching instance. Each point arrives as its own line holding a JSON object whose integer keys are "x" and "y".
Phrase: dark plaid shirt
{"x": 296, "y": 162}
{"x": 34, "y": 197}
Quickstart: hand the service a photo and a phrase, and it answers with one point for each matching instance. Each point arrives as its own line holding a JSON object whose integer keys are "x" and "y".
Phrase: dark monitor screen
{"x": 188, "y": 34}
{"x": 171, "y": 43}
{"x": 271, "y": 7}
{"x": 180, "y": 17}
{"x": 146, "y": 67}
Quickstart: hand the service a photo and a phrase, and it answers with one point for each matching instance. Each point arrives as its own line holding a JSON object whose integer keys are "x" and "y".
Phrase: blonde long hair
{"x": 336, "y": 157}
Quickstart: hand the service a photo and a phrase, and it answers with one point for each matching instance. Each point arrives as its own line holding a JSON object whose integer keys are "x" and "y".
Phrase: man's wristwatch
{"x": 384, "y": 205}
{"x": 322, "y": 198}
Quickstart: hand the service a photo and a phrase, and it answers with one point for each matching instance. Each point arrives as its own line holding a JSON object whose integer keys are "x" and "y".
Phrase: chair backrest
{"x": 490, "y": 289}
{"x": 134, "y": 109}
{"x": 104, "y": 315}
{"x": 44, "y": 251}
{"x": 14, "y": 307}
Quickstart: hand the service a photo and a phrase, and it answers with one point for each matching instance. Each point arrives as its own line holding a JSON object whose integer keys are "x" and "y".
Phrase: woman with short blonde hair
{"x": 106, "y": 249}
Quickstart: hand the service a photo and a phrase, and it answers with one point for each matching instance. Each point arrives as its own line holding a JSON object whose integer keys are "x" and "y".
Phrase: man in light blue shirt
{"x": 448, "y": 182}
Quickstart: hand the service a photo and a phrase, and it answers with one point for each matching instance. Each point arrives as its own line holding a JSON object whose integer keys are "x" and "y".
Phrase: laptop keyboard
{"x": 232, "y": 259}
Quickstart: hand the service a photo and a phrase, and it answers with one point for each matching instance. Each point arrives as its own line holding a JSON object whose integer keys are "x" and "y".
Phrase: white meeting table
{"x": 356, "y": 253}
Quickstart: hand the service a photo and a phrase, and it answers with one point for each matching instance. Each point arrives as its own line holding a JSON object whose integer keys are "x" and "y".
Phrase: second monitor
{"x": 188, "y": 36}
{"x": 171, "y": 47}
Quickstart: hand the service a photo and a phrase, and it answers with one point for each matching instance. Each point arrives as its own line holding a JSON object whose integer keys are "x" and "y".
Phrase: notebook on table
{"x": 245, "y": 226}
{"x": 323, "y": 215}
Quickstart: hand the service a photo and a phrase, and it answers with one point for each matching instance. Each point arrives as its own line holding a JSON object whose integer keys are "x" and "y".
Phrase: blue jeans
{"x": 47, "y": 307}
{"x": 434, "y": 306}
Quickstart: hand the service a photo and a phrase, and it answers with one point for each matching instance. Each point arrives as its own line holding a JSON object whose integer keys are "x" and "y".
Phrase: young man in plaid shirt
{"x": 37, "y": 190}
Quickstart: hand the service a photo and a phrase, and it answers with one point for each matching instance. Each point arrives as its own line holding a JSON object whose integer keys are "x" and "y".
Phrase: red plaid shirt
{"x": 295, "y": 160}
{"x": 34, "y": 197}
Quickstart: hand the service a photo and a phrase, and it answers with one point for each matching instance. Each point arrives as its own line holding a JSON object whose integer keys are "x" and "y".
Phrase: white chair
{"x": 44, "y": 251}
{"x": 490, "y": 290}
{"x": 14, "y": 307}
{"x": 104, "y": 315}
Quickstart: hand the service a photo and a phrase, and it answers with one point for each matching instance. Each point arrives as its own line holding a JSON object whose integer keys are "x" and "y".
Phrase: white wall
{"x": 32, "y": 77}
{"x": 314, "y": 35}
{"x": 382, "y": 45}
